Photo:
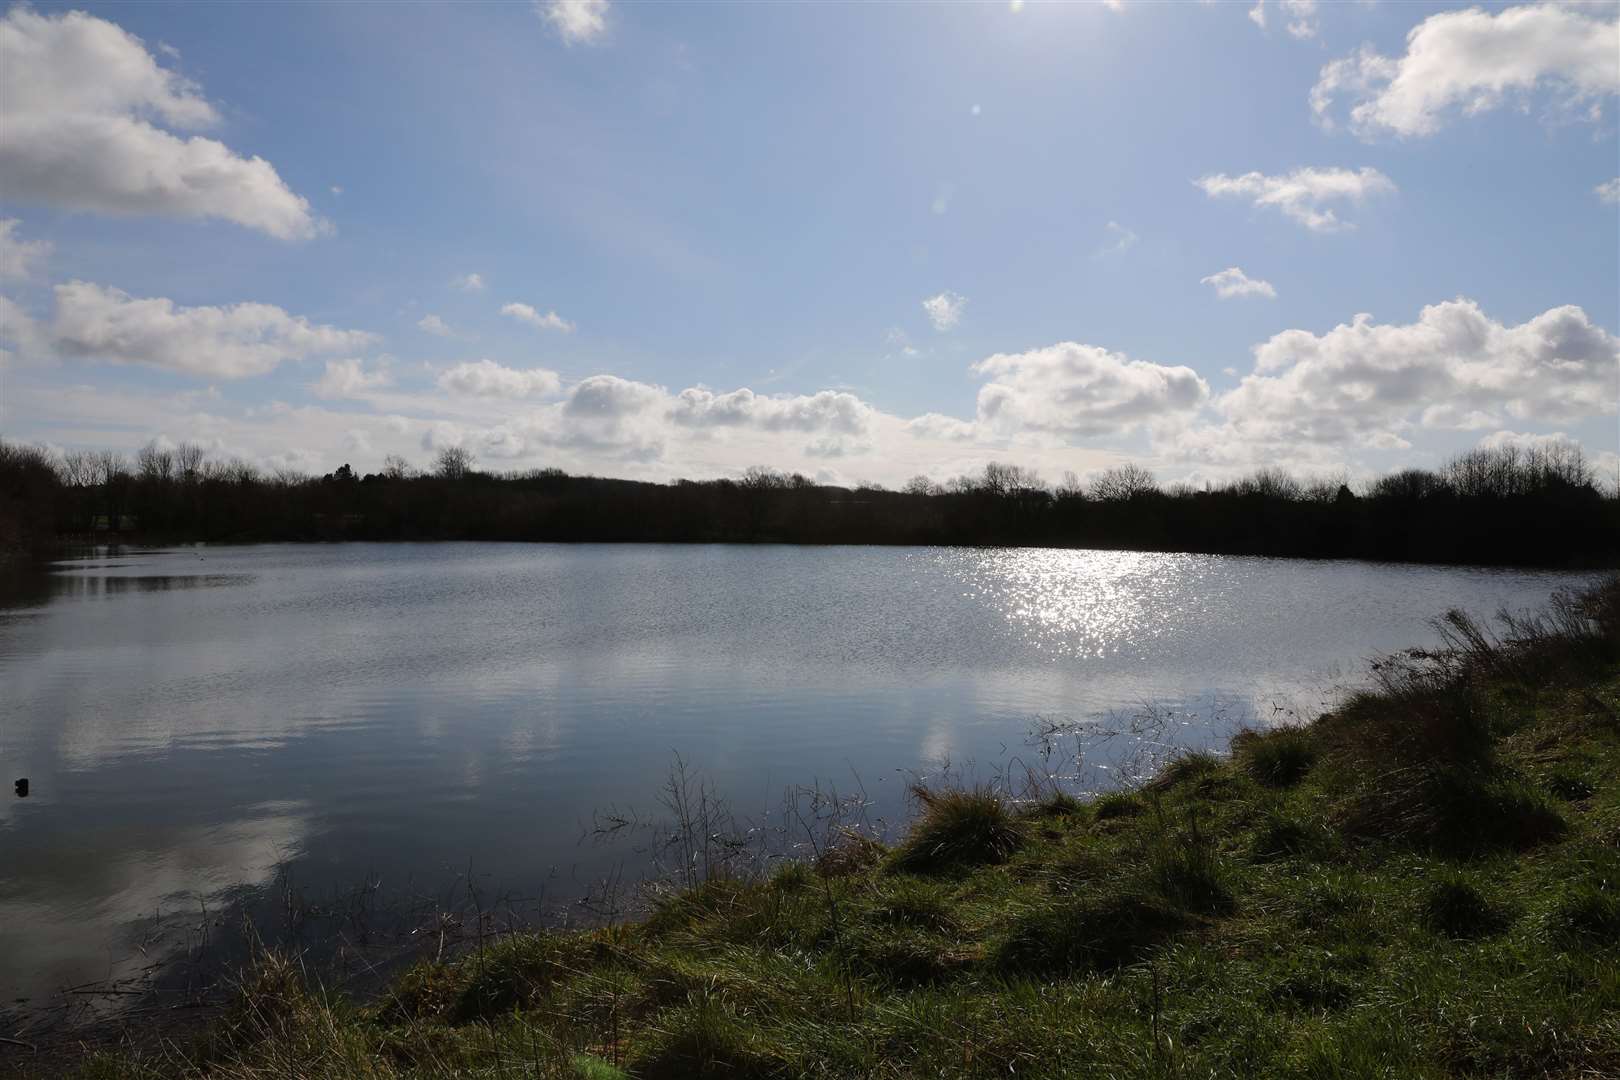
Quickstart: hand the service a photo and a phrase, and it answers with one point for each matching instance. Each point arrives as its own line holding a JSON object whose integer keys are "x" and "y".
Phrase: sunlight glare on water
{"x": 1079, "y": 603}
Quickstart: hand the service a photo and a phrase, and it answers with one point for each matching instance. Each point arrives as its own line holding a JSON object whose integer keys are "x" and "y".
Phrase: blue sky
{"x": 922, "y": 237}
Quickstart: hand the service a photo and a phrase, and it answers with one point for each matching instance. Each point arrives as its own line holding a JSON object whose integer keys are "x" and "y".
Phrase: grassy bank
{"x": 1424, "y": 883}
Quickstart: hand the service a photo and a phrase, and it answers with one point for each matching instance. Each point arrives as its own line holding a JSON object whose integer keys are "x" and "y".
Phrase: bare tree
{"x": 396, "y": 467}
{"x": 1009, "y": 480}
{"x": 762, "y": 478}
{"x": 920, "y": 485}
{"x": 1128, "y": 481}
{"x": 454, "y": 462}
{"x": 188, "y": 460}
{"x": 78, "y": 468}
{"x": 154, "y": 462}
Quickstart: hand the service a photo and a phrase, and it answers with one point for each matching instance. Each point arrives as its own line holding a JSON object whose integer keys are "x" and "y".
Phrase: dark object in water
{"x": 22, "y": 788}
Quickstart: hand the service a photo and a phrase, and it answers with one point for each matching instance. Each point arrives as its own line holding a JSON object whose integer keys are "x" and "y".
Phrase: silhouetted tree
{"x": 453, "y": 462}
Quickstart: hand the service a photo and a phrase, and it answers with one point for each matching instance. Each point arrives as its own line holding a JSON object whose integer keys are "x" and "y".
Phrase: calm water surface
{"x": 196, "y": 722}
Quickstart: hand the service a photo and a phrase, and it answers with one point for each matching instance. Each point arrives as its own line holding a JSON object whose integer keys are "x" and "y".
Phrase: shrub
{"x": 958, "y": 828}
{"x": 1089, "y": 934}
{"x": 1277, "y": 758}
{"x": 1455, "y": 908}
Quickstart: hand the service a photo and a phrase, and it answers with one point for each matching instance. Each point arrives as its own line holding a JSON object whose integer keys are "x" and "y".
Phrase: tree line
{"x": 1537, "y": 506}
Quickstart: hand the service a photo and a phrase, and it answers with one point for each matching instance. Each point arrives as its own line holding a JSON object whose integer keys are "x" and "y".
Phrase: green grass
{"x": 1425, "y": 884}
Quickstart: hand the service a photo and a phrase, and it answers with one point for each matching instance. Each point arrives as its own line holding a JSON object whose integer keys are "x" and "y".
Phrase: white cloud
{"x": 78, "y": 97}
{"x": 944, "y": 310}
{"x": 1301, "y": 194}
{"x": 575, "y": 21}
{"x": 1608, "y": 191}
{"x": 485, "y": 378}
{"x": 608, "y": 397}
{"x": 234, "y": 341}
{"x": 1301, "y": 15}
{"x": 900, "y": 341}
{"x": 19, "y": 258}
{"x": 1118, "y": 240}
{"x": 1082, "y": 390}
{"x": 468, "y": 283}
{"x": 526, "y": 314}
{"x": 434, "y": 325}
{"x": 1453, "y": 368}
{"x": 942, "y": 428}
{"x": 348, "y": 379}
{"x": 1473, "y": 61}
{"x": 829, "y": 410}
{"x": 1234, "y": 282}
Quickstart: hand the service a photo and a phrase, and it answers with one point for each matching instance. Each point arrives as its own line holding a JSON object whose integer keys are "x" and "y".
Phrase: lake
{"x": 213, "y": 730}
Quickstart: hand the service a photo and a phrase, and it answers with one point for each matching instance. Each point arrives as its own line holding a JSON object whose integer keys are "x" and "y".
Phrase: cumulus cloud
{"x": 942, "y": 428}
{"x": 1473, "y": 61}
{"x": 1082, "y": 390}
{"x": 1454, "y": 367}
{"x": 549, "y": 321}
{"x": 19, "y": 258}
{"x": 234, "y": 341}
{"x": 485, "y": 378}
{"x": 1302, "y": 194}
{"x": 944, "y": 310}
{"x": 79, "y": 98}
{"x": 1609, "y": 191}
{"x": 828, "y": 410}
{"x": 575, "y": 21}
{"x": 468, "y": 283}
{"x": 348, "y": 379}
{"x": 434, "y": 325}
{"x": 1233, "y": 282}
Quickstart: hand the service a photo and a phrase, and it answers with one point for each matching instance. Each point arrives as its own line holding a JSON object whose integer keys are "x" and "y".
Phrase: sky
{"x": 859, "y": 241}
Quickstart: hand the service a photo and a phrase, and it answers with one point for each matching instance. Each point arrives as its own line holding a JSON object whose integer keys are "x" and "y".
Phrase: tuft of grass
{"x": 1282, "y": 836}
{"x": 1116, "y": 804}
{"x": 1455, "y": 907}
{"x": 1087, "y": 935}
{"x": 1570, "y": 785}
{"x": 911, "y": 902}
{"x": 1059, "y": 804}
{"x": 1459, "y": 810}
{"x": 1184, "y": 867}
{"x": 851, "y": 853}
{"x": 1277, "y": 758}
{"x": 704, "y": 1039}
{"x": 1192, "y": 765}
{"x": 1589, "y": 913}
{"x": 957, "y": 828}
